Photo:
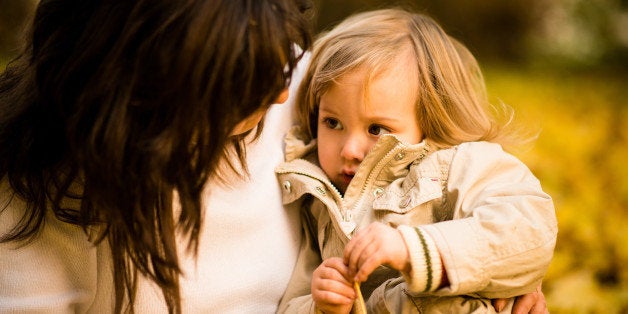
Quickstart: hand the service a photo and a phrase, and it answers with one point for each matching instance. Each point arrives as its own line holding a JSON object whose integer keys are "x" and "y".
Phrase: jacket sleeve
{"x": 298, "y": 298}
{"x": 502, "y": 236}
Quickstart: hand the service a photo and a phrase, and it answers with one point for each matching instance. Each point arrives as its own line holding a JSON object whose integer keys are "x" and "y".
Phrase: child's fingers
{"x": 362, "y": 243}
{"x": 363, "y": 254}
{"x": 330, "y": 277}
{"x": 366, "y": 265}
{"x": 499, "y": 304}
{"x": 333, "y": 308}
{"x": 333, "y": 292}
{"x": 338, "y": 270}
{"x": 378, "y": 243}
{"x": 330, "y": 280}
{"x": 352, "y": 256}
{"x": 351, "y": 246}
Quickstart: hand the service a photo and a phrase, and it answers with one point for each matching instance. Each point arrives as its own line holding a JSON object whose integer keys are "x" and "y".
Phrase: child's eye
{"x": 378, "y": 130}
{"x": 332, "y": 123}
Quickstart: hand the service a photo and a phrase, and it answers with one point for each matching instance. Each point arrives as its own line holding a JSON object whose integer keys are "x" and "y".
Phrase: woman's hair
{"x": 452, "y": 104}
{"x": 118, "y": 104}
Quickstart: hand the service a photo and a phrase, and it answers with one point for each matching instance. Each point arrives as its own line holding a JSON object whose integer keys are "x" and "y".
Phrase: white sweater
{"x": 247, "y": 251}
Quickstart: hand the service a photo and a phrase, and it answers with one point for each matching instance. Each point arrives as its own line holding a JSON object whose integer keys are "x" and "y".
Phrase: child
{"x": 403, "y": 184}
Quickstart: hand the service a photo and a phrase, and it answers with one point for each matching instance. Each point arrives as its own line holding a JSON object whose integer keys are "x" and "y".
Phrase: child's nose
{"x": 354, "y": 149}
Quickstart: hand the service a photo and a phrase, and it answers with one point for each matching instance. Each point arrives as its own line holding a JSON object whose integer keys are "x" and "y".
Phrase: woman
{"x": 114, "y": 109}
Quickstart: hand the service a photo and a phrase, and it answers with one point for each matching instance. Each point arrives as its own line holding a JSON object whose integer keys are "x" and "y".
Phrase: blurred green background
{"x": 563, "y": 66}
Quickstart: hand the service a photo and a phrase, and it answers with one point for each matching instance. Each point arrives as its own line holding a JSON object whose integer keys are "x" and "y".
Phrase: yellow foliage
{"x": 581, "y": 158}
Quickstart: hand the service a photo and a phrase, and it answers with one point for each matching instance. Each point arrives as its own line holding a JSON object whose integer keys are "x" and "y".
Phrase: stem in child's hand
{"x": 361, "y": 307}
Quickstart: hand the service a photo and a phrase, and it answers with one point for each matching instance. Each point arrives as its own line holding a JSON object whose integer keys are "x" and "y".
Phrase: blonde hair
{"x": 452, "y": 104}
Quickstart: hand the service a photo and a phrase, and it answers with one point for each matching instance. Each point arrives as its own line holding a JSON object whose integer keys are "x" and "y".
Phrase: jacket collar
{"x": 388, "y": 155}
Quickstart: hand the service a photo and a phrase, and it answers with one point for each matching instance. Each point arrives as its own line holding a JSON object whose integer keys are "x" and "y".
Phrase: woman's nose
{"x": 354, "y": 149}
{"x": 282, "y": 97}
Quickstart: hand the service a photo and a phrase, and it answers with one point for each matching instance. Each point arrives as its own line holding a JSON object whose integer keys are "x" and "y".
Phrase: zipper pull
{"x": 347, "y": 224}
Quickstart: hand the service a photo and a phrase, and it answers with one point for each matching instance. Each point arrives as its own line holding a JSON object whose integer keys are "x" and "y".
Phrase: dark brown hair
{"x": 120, "y": 103}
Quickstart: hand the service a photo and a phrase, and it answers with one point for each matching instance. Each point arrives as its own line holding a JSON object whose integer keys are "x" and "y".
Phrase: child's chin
{"x": 342, "y": 186}
{"x": 339, "y": 186}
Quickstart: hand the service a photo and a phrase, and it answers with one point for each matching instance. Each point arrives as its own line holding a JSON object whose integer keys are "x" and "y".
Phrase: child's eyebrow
{"x": 383, "y": 119}
{"x": 326, "y": 109}
{"x": 386, "y": 119}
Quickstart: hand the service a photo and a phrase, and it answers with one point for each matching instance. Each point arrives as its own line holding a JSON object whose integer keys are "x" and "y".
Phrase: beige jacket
{"x": 473, "y": 207}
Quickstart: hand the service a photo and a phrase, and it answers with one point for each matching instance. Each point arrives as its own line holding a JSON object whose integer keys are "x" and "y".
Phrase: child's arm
{"x": 501, "y": 239}
{"x": 499, "y": 243}
{"x": 380, "y": 244}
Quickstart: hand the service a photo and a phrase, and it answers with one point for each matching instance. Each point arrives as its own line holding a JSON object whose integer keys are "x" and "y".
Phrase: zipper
{"x": 378, "y": 168}
{"x": 344, "y": 214}
{"x": 370, "y": 178}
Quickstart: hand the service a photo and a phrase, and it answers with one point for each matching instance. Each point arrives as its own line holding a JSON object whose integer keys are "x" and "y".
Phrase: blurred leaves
{"x": 564, "y": 32}
{"x": 581, "y": 159}
{"x": 506, "y": 23}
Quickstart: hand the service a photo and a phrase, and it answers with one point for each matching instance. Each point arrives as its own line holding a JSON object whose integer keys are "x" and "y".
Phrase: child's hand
{"x": 331, "y": 290}
{"x": 376, "y": 245}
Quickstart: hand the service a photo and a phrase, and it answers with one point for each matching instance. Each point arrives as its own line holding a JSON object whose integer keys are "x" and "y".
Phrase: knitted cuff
{"x": 427, "y": 272}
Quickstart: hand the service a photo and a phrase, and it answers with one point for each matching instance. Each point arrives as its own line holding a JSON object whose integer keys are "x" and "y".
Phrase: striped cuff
{"x": 427, "y": 272}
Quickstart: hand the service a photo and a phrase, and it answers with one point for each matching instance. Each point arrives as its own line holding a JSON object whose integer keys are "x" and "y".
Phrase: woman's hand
{"x": 378, "y": 244}
{"x": 331, "y": 290}
{"x": 533, "y": 303}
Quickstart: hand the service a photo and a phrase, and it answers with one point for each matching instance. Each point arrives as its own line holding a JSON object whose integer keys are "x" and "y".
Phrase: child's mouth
{"x": 346, "y": 177}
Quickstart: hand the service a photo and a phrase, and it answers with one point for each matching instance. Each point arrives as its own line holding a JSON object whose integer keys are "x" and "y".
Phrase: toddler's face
{"x": 352, "y": 118}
